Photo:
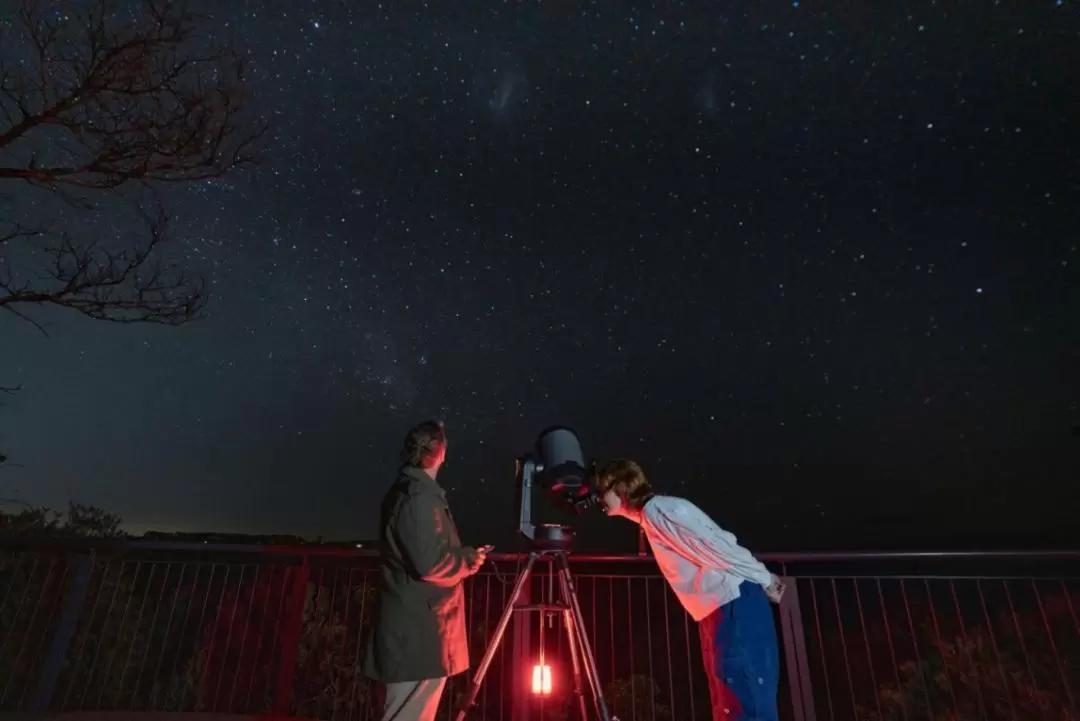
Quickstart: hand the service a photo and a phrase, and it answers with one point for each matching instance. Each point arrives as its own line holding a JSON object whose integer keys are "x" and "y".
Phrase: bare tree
{"x": 103, "y": 102}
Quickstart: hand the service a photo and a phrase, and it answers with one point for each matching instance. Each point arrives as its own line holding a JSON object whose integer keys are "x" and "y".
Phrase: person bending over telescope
{"x": 720, "y": 584}
{"x": 419, "y": 639}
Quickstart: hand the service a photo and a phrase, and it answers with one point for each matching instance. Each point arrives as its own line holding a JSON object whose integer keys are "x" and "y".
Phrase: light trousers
{"x": 413, "y": 700}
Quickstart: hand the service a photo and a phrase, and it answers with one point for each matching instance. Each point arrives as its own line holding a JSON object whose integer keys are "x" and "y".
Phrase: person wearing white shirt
{"x": 720, "y": 584}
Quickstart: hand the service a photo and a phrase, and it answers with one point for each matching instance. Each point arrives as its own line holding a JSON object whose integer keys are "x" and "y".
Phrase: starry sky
{"x": 814, "y": 265}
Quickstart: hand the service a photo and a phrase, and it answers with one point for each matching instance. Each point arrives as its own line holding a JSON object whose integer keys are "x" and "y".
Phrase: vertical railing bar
{"x": 937, "y": 636}
{"x": 519, "y": 710}
{"x": 791, "y": 613}
{"x": 1053, "y": 647}
{"x": 65, "y": 631}
{"x": 118, "y": 696}
{"x": 360, "y": 642}
{"x": 150, "y": 635}
{"x": 509, "y": 691}
{"x": 1023, "y": 647}
{"x": 268, "y": 667}
{"x": 892, "y": 648}
{"x": 630, "y": 628}
{"x": 7, "y": 593}
{"x": 15, "y": 625}
{"x": 318, "y": 598}
{"x": 331, "y": 625}
{"x": 611, "y": 628}
{"x": 213, "y": 634}
{"x": 594, "y": 584}
{"x": 821, "y": 646}
{"x": 843, "y": 647}
{"x": 670, "y": 665}
{"x": 187, "y": 617}
{"x": 116, "y": 648}
{"x": 648, "y": 640}
{"x": 305, "y": 671}
{"x": 10, "y": 586}
{"x": 795, "y": 678}
{"x": 993, "y": 642}
{"x": 234, "y": 601}
{"x": 291, "y": 643}
{"x": 487, "y": 639}
{"x": 87, "y": 632}
{"x": 967, "y": 649}
{"x": 866, "y": 642}
{"x": 104, "y": 628}
{"x": 690, "y": 661}
{"x": 356, "y": 678}
{"x": 249, "y": 618}
{"x": 1072, "y": 609}
{"x": 495, "y": 607}
{"x": 340, "y": 650}
{"x": 168, "y": 629}
{"x": 258, "y": 627}
{"x": 915, "y": 644}
{"x": 470, "y": 607}
{"x": 47, "y": 601}
{"x": 283, "y": 608}
{"x": 540, "y": 637}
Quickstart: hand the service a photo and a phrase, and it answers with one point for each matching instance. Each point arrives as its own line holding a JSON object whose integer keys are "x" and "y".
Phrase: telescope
{"x": 554, "y": 487}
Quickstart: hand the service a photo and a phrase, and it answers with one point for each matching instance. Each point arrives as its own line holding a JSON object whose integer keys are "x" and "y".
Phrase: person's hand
{"x": 475, "y": 557}
{"x": 775, "y": 590}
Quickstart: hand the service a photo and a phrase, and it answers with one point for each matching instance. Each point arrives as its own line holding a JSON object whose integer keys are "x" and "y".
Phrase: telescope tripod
{"x": 581, "y": 654}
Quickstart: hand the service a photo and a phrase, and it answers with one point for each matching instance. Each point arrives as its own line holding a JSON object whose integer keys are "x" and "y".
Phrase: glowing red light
{"x": 541, "y": 679}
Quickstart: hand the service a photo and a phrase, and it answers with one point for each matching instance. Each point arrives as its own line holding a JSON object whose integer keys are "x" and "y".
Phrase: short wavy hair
{"x": 422, "y": 443}
{"x": 626, "y": 478}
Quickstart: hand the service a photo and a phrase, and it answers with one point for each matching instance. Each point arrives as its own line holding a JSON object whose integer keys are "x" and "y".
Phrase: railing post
{"x": 520, "y": 657}
{"x": 290, "y": 640}
{"x": 798, "y": 666}
{"x": 642, "y": 543}
{"x": 69, "y": 621}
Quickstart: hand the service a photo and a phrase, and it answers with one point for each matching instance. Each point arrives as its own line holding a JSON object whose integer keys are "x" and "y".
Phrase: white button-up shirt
{"x": 703, "y": 563}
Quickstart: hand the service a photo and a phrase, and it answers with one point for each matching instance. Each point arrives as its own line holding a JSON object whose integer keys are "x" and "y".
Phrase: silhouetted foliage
{"x": 1017, "y": 664}
{"x": 80, "y": 521}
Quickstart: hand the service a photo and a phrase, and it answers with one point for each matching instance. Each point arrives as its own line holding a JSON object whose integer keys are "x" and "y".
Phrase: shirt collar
{"x": 420, "y": 476}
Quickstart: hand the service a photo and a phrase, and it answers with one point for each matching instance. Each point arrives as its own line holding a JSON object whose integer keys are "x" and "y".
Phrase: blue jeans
{"x": 742, "y": 661}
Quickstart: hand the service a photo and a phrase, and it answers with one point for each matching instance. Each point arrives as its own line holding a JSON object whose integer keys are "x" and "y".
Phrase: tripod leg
{"x": 496, "y": 639}
{"x": 575, "y": 649}
{"x": 591, "y": 672}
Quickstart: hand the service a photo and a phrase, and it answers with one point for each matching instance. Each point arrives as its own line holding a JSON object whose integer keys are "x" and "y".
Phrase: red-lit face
{"x": 440, "y": 455}
{"x": 615, "y": 505}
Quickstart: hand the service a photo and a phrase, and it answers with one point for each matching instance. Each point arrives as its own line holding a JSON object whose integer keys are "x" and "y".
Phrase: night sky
{"x": 814, "y": 265}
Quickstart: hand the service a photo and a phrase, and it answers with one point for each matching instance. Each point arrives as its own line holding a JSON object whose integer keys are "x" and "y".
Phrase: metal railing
{"x": 254, "y": 630}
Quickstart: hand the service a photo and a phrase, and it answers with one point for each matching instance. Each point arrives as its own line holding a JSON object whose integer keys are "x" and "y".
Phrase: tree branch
{"x": 94, "y": 101}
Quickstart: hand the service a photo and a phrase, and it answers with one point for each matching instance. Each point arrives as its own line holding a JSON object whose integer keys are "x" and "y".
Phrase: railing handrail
{"x": 314, "y": 550}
